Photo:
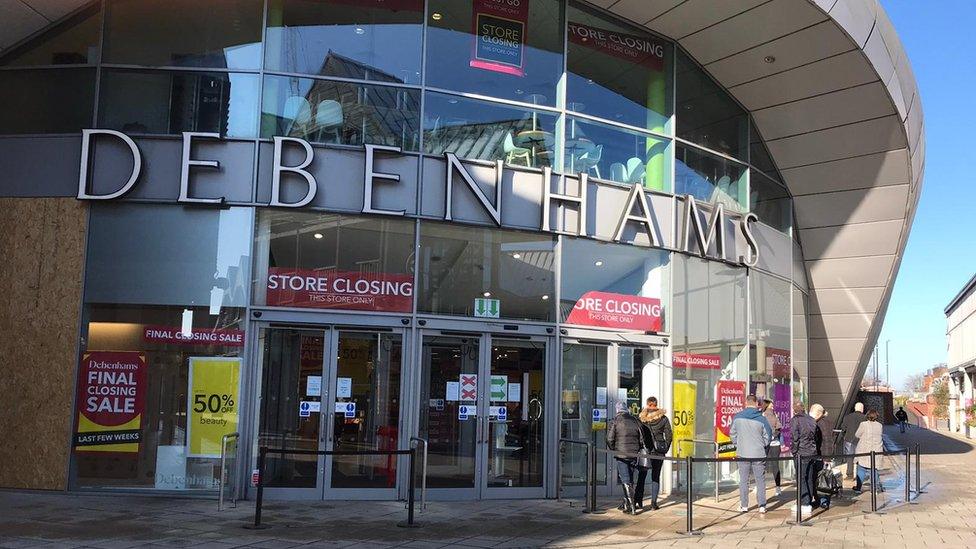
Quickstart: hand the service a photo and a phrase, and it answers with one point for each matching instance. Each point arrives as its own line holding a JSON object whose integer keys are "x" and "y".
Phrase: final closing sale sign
{"x": 730, "y": 399}
{"x": 212, "y": 403}
{"x": 111, "y": 402}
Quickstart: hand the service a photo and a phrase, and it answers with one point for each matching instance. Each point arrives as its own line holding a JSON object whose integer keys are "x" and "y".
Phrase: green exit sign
{"x": 486, "y": 308}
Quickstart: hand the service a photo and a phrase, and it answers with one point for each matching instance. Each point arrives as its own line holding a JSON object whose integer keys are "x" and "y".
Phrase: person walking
{"x": 868, "y": 440}
{"x": 848, "y": 427}
{"x": 804, "y": 443}
{"x": 751, "y": 434}
{"x": 625, "y": 436}
{"x": 659, "y": 428}
{"x": 776, "y": 445}
{"x": 902, "y": 416}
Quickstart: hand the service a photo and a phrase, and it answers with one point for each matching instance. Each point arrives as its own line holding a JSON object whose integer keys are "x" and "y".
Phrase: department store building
{"x": 346, "y": 224}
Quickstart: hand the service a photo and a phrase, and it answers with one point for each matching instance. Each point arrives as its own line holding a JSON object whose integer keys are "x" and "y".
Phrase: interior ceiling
{"x": 833, "y": 95}
{"x": 839, "y": 109}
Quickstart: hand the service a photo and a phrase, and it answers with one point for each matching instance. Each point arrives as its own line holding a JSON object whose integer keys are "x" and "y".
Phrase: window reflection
{"x": 616, "y": 154}
{"x": 617, "y": 73}
{"x": 501, "y": 48}
{"x": 47, "y": 101}
{"x": 339, "y": 112}
{"x": 366, "y": 40}
{"x": 488, "y": 131}
{"x": 710, "y": 178}
{"x": 173, "y": 102}
{"x": 706, "y": 114}
{"x": 615, "y": 269}
{"x": 458, "y": 265}
{"x": 184, "y": 33}
{"x": 770, "y": 202}
{"x": 71, "y": 41}
{"x": 353, "y": 247}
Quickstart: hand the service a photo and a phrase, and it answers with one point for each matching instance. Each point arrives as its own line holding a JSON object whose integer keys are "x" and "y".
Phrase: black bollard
{"x": 874, "y": 485}
{"x": 799, "y": 475}
{"x": 908, "y": 476}
{"x": 918, "y": 470}
{"x": 259, "y": 498}
{"x": 411, "y": 488}
{"x": 689, "y": 495}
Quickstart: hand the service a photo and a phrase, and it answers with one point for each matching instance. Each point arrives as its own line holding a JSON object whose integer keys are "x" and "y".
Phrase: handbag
{"x": 643, "y": 456}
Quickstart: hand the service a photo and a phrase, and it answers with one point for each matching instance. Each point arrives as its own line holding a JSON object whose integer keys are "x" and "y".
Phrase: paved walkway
{"x": 943, "y": 516}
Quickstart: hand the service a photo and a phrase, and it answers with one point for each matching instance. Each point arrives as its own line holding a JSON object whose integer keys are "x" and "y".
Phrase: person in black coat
{"x": 625, "y": 436}
{"x": 806, "y": 443}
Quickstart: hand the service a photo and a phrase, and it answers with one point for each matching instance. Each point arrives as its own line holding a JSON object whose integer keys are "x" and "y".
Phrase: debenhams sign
{"x": 468, "y": 191}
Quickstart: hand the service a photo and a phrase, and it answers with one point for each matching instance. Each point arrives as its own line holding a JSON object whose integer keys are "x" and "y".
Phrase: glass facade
{"x": 173, "y": 293}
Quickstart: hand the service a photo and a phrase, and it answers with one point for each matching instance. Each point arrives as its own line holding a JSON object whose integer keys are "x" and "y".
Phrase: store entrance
{"x": 330, "y": 388}
{"x": 482, "y": 411}
{"x": 596, "y": 375}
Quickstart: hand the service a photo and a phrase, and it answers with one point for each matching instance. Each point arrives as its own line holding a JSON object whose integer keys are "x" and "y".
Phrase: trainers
{"x": 807, "y": 509}
{"x": 743, "y": 509}
{"x": 762, "y": 509}
{"x": 779, "y": 491}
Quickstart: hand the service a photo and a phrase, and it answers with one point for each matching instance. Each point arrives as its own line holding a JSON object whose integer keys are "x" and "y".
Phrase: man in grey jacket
{"x": 751, "y": 435}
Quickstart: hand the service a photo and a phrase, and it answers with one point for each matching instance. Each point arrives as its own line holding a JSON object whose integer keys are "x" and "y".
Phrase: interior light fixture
{"x": 318, "y": 236}
{"x": 516, "y": 255}
{"x": 769, "y": 59}
{"x": 545, "y": 298}
{"x": 360, "y": 30}
{"x": 487, "y": 294}
{"x": 436, "y": 16}
{"x": 598, "y": 262}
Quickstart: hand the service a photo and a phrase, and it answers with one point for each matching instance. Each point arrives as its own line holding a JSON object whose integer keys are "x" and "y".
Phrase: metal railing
{"x": 263, "y": 452}
{"x": 714, "y": 454}
{"x": 223, "y": 470}
{"x": 589, "y": 502}
{"x": 798, "y": 461}
{"x": 423, "y": 470}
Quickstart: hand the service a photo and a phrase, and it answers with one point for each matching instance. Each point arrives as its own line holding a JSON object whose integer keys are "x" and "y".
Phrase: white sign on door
{"x": 344, "y": 387}
{"x": 467, "y": 410}
{"x": 313, "y": 386}
{"x": 453, "y": 391}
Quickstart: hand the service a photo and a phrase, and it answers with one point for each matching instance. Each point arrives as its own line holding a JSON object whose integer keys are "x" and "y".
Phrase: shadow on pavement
{"x": 930, "y": 442}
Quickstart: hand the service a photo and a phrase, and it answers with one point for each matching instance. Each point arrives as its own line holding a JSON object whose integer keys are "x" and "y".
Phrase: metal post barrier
{"x": 800, "y": 478}
{"x": 714, "y": 454}
{"x": 423, "y": 473}
{"x": 223, "y": 470}
{"x": 918, "y": 470}
{"x": 590, "y": 506}
{"x": 259, "y": 499}
{"x": 410, "y": 490}
{"x": 874, "y": 484}
{"x": 690, "y": 496}
{"x": 908, "y": 476}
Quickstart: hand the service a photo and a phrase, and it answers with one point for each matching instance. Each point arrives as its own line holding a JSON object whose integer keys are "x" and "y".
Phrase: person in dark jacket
{"x": 804, "y": 443}
{"x": 826, "y": 448}
{"x": 848, "y": 427}
{"x": 659, "y": 430}
{"x": 902, "y": 416}
{"x": 625, "y": 436}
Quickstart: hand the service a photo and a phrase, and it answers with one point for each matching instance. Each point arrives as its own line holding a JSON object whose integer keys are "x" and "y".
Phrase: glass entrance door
{"x": 482, "y": 412}
{"x": 330, "y": 389}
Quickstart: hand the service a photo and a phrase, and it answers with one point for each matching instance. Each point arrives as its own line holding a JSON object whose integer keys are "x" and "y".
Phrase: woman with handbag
{"x": 868, "y": 440}
{"x": 625, "y": 438}
{"x": 657, "y": 443}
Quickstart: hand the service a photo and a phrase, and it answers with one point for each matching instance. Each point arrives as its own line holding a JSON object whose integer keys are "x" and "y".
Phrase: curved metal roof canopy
{"x": 840, "y": 112}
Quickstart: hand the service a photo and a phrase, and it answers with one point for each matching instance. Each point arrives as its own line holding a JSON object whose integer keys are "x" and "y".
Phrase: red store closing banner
{"x": 340, "y": 290}
{"x": 608, "y": 310}
{"x": 778, "y": 362}
{"x": 636, "y": 49}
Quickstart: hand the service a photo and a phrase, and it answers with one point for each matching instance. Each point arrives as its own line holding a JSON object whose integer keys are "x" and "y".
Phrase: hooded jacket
{"x": 751, "y": 433}
{"x": 659, "y": 427}
{"x": 804, "y": 432}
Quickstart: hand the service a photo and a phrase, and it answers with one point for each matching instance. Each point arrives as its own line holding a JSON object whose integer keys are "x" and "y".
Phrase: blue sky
{"x": 940, "y": 256}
